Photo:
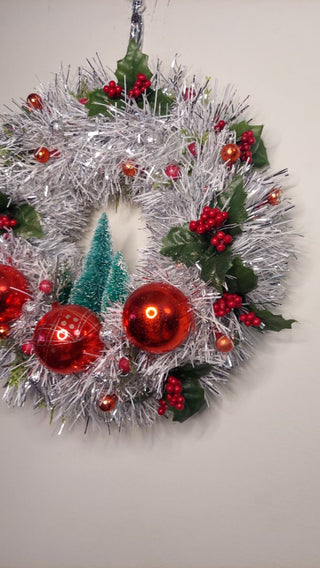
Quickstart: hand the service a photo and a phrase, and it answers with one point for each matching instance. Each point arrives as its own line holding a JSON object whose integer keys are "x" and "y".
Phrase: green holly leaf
{"x": 99, "y": 103}
{"x": 28, "y": 222}
{"x": 272, "y": 322}
{"x": 234, "y": 199}
{"x": 133, "y": 63}
{"x": 214, "y": 267}
{"x": 159, "y": 101}
{"x": 191, "y": 389}
{"x": 4, "y": 200}
{"x": 240, "y": 278}
{"x": 259, "y": 156}
{"x": 182, "y": 245}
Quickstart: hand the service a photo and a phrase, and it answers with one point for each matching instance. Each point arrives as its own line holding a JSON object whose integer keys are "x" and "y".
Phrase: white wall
{"x": 238, "y": 487}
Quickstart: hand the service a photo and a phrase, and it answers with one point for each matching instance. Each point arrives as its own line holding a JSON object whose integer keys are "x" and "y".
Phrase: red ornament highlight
{"x": 157, "y": 317}
{"x": 67, "y": 339}
{"x": 14, "y": 292}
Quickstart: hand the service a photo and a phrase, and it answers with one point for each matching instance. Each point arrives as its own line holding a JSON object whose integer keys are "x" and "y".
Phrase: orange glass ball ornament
{"x": 157, "y": 317}
{"x": 13, "y": 293}
{"x": 34, "y": 101}
{"x": 224, "y": 344}
{"x": 230, "y": 153}
{"x": 107, "y": 402}
{"x": 42, "y": 155}
{"x": 275, "y": 197}
{"x": 67, "y": 339}
{"x": 129, "y": 169}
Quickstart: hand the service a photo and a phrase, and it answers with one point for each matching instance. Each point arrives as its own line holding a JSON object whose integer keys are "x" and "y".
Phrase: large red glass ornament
{"x": 67, "y": 339}
{"x": 13, "y": 293}
{"x": 157, "y": 317}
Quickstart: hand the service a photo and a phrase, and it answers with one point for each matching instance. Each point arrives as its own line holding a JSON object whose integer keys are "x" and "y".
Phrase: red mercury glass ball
{"x": 42, "y": 155}
{"x": 107, "y": 402}
{"x": 157, "y": 317}
{"x": 224, "y": 344}
{"x": 230, "y": 153}
{"x": 34, "y": 101}
{"x": 14, "y": 292}
{"x": 275, "y": 196}
{"x": 67, "y": 339}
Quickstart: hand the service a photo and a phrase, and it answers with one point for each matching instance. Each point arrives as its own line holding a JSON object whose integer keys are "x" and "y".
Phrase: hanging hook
{"x": 136, "y": 27}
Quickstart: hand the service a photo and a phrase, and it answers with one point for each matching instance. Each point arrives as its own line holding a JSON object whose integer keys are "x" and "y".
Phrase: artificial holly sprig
{"x": 26, "y": 220}
{"x": 258, "y": 150}
{"x": 132, "y": 70}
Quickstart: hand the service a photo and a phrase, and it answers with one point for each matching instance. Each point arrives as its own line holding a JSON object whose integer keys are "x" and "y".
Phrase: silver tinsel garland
{"x": 86, "y": 176}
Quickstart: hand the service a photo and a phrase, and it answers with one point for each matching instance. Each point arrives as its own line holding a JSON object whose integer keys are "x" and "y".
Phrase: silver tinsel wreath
{"x": 86, "y": 176}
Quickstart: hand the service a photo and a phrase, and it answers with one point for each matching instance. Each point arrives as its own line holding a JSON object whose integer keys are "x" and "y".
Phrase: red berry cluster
{"x": 219, "y": 126}
{"x": 113, "y": 90}
{"x": 140, "y": 86}
{"x": 250, "y": 319}
{"x": 174, "y": 397}
{"x": 212, "y": 218}
{"x": 7, "y": 223}
{"x": 247, "y": 140}
{"x": 227, "y": 303}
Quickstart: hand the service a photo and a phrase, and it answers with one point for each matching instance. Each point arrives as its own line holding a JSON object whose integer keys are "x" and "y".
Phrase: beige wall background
{"x": 238, "y": 487}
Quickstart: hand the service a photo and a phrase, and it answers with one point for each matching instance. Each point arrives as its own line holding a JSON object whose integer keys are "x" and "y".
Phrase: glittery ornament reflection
{"x": 157, "y": 317}
{"x": 67, "y": 339}
{"x": 13, "y": 293}
{"x": 230, "y": 153}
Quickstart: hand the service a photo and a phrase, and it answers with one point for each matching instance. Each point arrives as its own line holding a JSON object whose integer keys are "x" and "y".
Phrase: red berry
{"x": 162, "y": 402}
{"x": 189, "y": 94}
{"x": 13, "y": 222}
{"x": 118, "y": 90}
{"x": 214, "y": 241}
{"x": 136, "y": 92}
{"x": 130, "y": 93}
{"x": 106, "y": 89}
{"x": 219, "y": 126}
{"x": 192, "y": 149}
{"x": 243, "y": 317}
{"x": 207, "y": 210}
{"x": 83, "y": 101}
{"x": 173, "y": 171}
{"x": 200, "y": 229}
{"x": 147, "y": 84}
{"x": 178, "y": 389}
{"x": 124, "y": 365}
{"x": 112, "y": 92}
{"x": 46, "y": 286}
{"x": 141, "y": 77}
{"x": 220, "y": 247}
{"x": 220, "y": 235}
{"x": 170, "y": 388}
{"x": 244, "y": 137}
{"x": 27, "y": 348}
{"x": 161, "y": 410}
{"x": 227, "y": 239}
{"x": 193, "y": 225}
{"x": 256, "y": 322}
{"x": 179, "y": 406}
{"x": 112, "y": 84}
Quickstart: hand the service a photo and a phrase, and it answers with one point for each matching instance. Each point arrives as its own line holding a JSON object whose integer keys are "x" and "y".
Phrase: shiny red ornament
{"x": 4, "y": 331}
{"x": 224, "y": 344}
{"x": 129, "y": 169}
{"x": 107, "y": 402}
{"x": 230, "y": 153}
{"x": 46, "y": 286}
{"x": 275, "y": 196}
{"x": 67, "y": 339}
{"x": 157, "y": 317}
{"x": 34, "y": 101}
{"x": 14, "y": 293}
{"x": 42, "y": 155}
